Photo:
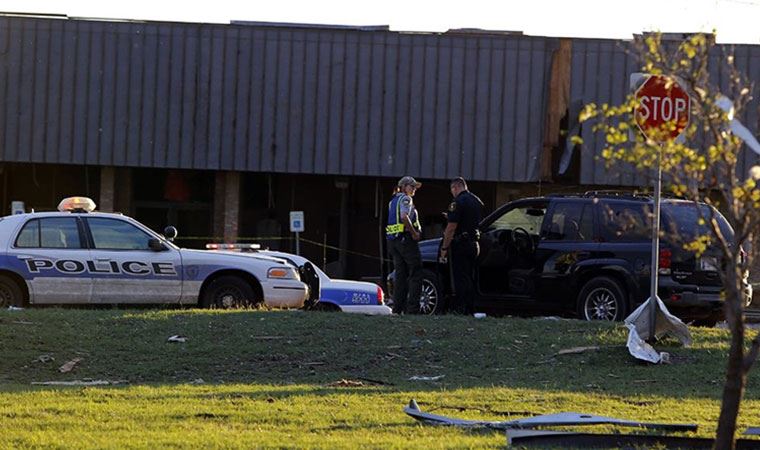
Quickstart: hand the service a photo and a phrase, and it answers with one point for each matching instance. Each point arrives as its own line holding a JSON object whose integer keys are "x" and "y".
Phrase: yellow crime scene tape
{"x": 220, "y": 239}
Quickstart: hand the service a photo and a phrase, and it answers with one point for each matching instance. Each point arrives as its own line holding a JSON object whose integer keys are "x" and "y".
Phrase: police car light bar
{"x": 233, "y": 246}
{"x": 76, "y": 204}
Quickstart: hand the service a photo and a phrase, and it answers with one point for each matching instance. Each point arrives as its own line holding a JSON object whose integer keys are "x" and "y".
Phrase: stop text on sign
{"x": 663, "y": 109}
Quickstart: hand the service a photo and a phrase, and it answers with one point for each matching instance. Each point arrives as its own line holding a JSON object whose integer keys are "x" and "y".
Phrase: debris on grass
{"x": 177, "y": 338}
{"x": 69, "y": 366}
{"x": 198, "y": 381}
{"x": 346, "y": 383}
{"x": 573, "y": 350}
{"x": 23, "y": 322}
{"x": 15, "y": 308}
{"x": 44, "y": 359}
{"x": 423, "y": 378}
{"x": 378, "y": 382}
{"x": 85, "y": 382}
{"x": 267, "y": 338}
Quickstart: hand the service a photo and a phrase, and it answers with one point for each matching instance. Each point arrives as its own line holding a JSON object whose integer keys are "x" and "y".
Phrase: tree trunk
{"x": 736, "y": 377}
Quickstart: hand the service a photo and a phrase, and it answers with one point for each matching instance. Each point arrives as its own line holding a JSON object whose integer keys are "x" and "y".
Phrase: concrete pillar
{"x": 227, "y": 205}
{"x": 343, "y": 186}
{"x": 107, "y": 189}
{"x": 123, "y": 195}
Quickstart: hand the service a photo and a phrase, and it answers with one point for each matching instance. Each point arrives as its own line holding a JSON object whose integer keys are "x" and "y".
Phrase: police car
{"x": 334, "y": 295}
{"x": 340, "y": 295}
{"x": 80, "y": 256}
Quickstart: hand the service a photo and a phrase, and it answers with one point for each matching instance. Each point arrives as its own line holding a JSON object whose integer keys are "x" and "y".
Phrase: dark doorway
{"x": 181, "y": 198}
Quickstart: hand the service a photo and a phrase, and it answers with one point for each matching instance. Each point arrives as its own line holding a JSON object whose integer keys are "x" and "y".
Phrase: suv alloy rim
{"x": 601, "y": 305}
{"x": 428, "y": 298}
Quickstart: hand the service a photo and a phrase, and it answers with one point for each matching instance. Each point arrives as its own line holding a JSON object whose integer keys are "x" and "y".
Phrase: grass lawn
{"x": 272, "y": 379}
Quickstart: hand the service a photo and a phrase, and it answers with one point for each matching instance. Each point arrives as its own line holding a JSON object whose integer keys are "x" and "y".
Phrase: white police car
{"x": 340, "y": 295}
{"x": 334, "y": 295}
{"x": 80, "y": 256}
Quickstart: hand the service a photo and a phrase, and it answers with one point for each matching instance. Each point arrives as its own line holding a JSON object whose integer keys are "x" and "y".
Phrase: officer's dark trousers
{"x": 407, "y": 263}
{"x": 463, "y": 255}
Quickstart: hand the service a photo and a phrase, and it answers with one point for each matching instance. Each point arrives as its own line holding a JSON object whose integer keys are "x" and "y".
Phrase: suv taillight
{"x": 380, "y": 295}
{"x": 665, "y": 260}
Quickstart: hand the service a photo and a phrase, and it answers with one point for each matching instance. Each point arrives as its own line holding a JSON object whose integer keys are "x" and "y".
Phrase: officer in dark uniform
{"x": 403, "y": 232}
{"x": 460, "y": 243}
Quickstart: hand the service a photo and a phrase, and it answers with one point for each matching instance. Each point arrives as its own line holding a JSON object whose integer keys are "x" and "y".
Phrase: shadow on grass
{"x": 307, "y": 348}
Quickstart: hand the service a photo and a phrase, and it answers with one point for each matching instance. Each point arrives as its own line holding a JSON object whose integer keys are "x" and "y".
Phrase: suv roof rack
{"x": 604, "y": 193}
{"x": 616, "y": 193}
{"x": 612, "y": 193}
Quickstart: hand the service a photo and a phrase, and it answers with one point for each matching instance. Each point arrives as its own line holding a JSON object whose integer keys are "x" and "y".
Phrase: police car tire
{"x": 242, "y": 293}
{"x": 10, "y": 293}
{"x": 325, "y": 307}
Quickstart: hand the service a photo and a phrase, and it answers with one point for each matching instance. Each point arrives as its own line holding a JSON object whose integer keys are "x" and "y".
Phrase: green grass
{"x": 262, "y": 379}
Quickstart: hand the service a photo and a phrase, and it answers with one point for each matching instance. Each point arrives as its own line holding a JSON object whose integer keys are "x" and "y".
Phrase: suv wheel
{"x": 431, "y": 294}
{"x": 602, "y": 298}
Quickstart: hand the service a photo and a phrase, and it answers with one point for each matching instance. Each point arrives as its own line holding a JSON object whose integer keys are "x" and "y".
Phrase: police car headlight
{"x": 283, "y": 273}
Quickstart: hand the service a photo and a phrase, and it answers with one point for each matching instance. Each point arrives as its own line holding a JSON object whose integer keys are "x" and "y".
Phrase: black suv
{"x": 588, "y": 254}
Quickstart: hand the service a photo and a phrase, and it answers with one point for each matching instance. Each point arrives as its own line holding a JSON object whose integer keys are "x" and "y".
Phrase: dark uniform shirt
{"x": 465, "y": 211}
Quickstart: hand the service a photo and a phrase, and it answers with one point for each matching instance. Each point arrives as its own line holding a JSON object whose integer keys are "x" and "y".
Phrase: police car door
{"x": 53, "y": 261}
{"x": 129, "y": 270}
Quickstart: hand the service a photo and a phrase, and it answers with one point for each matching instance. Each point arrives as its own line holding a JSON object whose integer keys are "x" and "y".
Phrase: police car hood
{"x": 222, "y": 256}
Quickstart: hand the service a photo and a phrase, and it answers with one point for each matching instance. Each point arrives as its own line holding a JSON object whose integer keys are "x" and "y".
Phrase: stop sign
{"x": 663, "y": 109}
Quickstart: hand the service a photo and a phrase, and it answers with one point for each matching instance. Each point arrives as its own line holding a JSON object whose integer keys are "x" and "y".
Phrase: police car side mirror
{"x": 156, "y": 245}
{"x": 170, "y": 232}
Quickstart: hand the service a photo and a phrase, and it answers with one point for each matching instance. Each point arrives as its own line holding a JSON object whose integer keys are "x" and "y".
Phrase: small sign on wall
{"x": 17, "y": 207}
{"x": 296, "y": 222}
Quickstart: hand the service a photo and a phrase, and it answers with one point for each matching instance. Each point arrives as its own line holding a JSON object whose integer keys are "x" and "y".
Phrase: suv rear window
{"x": 682, "y": 218}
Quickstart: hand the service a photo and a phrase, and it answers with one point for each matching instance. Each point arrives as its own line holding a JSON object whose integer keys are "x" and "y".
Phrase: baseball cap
{"x": 408, "y": 181}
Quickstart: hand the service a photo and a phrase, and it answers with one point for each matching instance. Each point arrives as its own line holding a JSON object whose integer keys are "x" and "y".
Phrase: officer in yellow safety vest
{"x": 403, "y": 232}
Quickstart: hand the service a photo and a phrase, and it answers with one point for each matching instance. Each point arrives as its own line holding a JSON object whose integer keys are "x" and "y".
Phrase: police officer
{"x": 403, "y": 232}
{"x": 460, "y": 243}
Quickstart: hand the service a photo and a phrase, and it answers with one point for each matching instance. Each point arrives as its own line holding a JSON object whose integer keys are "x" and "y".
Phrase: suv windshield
{"x": 527, "y": 217}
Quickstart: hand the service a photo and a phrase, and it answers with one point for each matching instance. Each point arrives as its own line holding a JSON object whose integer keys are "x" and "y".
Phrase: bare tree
{"x": 705, "y": 165}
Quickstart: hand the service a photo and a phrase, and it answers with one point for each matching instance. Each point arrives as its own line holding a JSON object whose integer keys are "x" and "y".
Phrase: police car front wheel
{"x": 228, "y": 292}
{"x": 10, "y": 293}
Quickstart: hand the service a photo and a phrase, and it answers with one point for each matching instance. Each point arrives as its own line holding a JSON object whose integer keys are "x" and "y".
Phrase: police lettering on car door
{"x": 71, "y": 266}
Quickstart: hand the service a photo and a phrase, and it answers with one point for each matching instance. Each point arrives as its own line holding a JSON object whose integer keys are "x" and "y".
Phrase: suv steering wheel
{"x": 522, "y": 241}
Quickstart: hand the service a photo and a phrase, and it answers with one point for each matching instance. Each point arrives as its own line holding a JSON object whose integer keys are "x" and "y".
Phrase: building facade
{"x": 221, "y": 130}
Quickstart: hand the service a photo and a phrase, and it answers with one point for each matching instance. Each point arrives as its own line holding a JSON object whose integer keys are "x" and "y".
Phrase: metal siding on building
{"x": 273, "y": 99}
{"x": 600, "y": 74}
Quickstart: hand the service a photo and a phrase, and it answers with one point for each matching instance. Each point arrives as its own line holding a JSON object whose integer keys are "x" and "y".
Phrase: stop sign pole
{"x": 662, "y": 113}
